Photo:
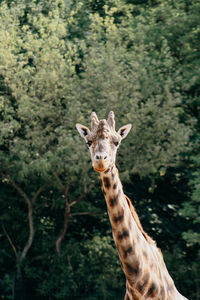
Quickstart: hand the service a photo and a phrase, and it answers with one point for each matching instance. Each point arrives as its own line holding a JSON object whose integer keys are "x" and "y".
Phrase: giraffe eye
{"x": 116, "y": 143}
{"x": 89, "y": 143}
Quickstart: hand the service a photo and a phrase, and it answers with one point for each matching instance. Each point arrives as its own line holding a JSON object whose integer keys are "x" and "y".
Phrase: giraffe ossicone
{"x": 142, "y": 262}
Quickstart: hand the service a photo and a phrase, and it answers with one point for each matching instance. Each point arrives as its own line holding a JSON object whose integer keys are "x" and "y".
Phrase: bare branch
{"x": 66, "y": 218}
{"x": 31, "y": 225}
{"x": 86, "y": 213}
{"x": 77, "y": 200}
{"x": 20, "y": 191}
{"x": 65, "y": 225}
{"x": 61, "y": 186}
{"x": 67, "y": 209}
{"x": 30, "y": 204}
{"x": 30, "y": 219}
{"x": 31, "y": 233}
{"x": 66, "y": 189}
{"x": 39, "y": 191}
{"x": 81, "y": 196}
{"x": 10, "y": 241}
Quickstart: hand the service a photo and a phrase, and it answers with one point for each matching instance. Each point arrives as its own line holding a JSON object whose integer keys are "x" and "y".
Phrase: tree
{"x": 190, "y": 211}
{"x": 37, "y": 115}
{"x": 126, "y": 72}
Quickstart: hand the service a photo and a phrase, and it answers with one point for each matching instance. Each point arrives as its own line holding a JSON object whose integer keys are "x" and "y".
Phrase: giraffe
{"x": 146, "y": 274}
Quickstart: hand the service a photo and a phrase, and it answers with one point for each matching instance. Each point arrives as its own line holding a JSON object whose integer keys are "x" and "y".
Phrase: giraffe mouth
{"x": 100, "y": 166}
{"x": 99, "y": 170}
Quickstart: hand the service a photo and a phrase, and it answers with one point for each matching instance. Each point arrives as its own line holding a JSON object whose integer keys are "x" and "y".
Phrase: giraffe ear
{"x": 124, "y": 130}
{"x": 83, "y": 130}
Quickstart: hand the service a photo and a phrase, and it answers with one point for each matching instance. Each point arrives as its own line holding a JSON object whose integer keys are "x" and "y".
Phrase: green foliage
{"x": 126, "y": 72}
{"x": 191, "y": 212}
{"x": 59, "y": 61}
{"x": 37, "y": 70}
{"x": 85, "y": 270}
{"x": 6, "y": 285}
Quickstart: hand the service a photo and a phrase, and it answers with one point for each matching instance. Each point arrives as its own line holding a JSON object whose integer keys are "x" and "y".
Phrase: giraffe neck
{"x": 140, "y": 258}
{"x": 127, "y": 236}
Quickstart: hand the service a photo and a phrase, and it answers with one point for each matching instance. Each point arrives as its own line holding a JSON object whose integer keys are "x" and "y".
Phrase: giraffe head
{"x": 102, "y": 140}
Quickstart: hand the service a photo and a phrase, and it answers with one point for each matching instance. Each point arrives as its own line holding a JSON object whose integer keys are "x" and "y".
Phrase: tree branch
{"x": 65, "y": 191}
{"x": 30, "y": 216}
{"x": 20, "y": 191}
{"x": 81, "y": 196}
{"x": 61, "y": 186}
{"x": 30, "y": 219}
{"x": 77, "y": 200}
{"x": 10, "y": 241}
{"x": 86, "y": 213}
{"x": 39, "y": 191}
{"x": 65, "y": 225}
{"x": 66, "y": 215}
{"x": 31, "y": 233}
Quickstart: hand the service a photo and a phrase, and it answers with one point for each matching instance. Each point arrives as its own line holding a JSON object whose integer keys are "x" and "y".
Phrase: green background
{"x": 59, "y": 61}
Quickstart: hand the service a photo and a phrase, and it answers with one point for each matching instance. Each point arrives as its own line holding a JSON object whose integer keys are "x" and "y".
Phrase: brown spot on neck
{"x": 114, "y": 200}
{"x": 128, "y": 251}
{"x": 119, "y": 218}
{"x": 141, "y": 285}
{"x": 123, "y": 235}
{"x": 113, "y": 175}
{"x": 132, "y": 269}
{"x": 115, "y": 185}
{"x": 152, "y": 291}
{"x": 107, "y": 171}
{"x": 106, "y": 182}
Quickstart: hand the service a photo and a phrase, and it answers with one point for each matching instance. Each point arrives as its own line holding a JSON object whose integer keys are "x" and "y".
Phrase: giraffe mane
{"x": 137, "y": 221}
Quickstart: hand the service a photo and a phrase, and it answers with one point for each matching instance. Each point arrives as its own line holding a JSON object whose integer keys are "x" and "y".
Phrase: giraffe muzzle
{"x": 99, "y": 170}
{"x": 100, "y": 165}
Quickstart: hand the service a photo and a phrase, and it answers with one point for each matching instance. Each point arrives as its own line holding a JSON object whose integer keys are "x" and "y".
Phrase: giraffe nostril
{"x": 99, "y": 156}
